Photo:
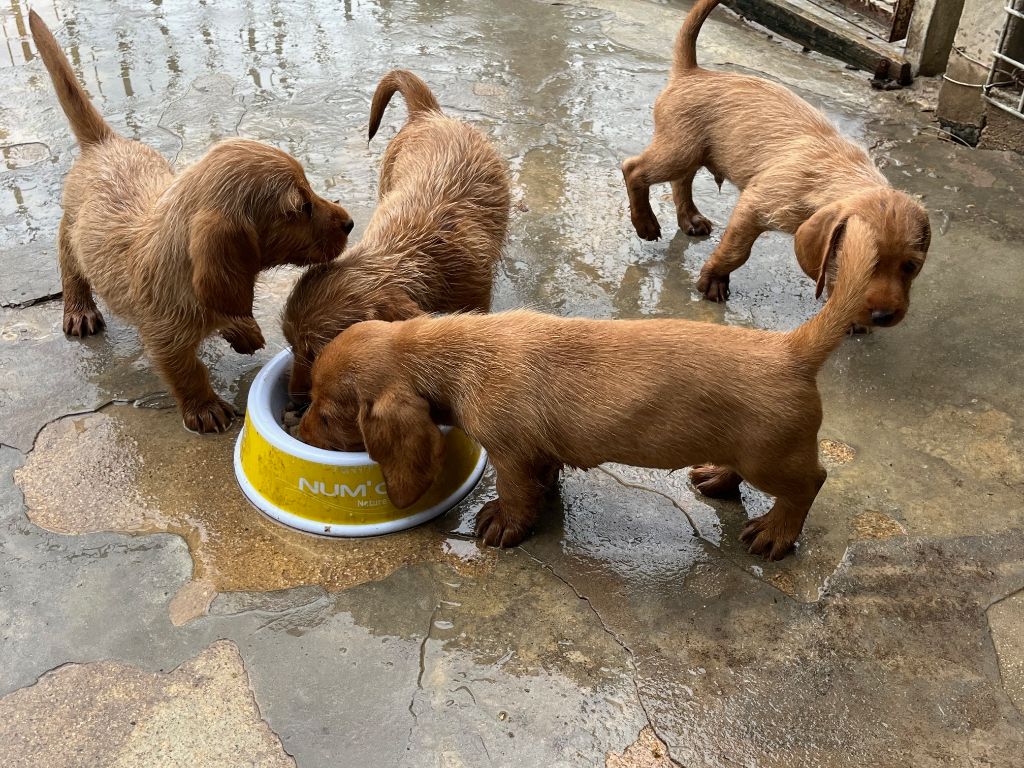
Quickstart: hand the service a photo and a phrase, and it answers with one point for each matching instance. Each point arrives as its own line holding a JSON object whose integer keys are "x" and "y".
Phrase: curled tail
{"x": 686, "y": 40}
{"x": 87, "y": 124}
{"x": 816, "y": 339}
{"x": 416, "y": 93}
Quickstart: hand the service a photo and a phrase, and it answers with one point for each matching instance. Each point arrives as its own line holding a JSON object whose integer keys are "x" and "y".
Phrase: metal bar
{"x": 1007, "y": 59}
{"x": 1003, "y": 107}
{"x": 999, "y": 47}
{"x": 997, "y": 57}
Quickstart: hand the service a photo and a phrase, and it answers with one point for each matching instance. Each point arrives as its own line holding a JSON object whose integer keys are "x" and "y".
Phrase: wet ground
{"x": 149, "y": 616}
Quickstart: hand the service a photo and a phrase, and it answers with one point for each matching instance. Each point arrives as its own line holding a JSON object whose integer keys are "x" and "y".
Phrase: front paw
{"x": 696, "y": 225}
{"x": 495, "y": 529}
{"x": 762, "y": 538}
{"x": 647, "y": 228}
{"x": 713, "y": 287}
{"x": 83, "y": 322}
{"x": 246, "y": 339}
{"x": 209, "y": 416}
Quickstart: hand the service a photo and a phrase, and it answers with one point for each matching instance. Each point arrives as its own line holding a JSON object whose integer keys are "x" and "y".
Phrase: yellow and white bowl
{"x": 329, "y": 492}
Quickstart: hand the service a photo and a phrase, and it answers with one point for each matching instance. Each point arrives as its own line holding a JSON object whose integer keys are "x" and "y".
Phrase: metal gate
{"x": 1004, "y": 87}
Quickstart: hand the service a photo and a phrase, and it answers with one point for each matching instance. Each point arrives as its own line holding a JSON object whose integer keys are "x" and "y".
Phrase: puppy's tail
{"x": 686, "y": 41}
{"x": 87, "y": 124}
{"x": 416, "y": 93}
{"x": 816, "y": 339}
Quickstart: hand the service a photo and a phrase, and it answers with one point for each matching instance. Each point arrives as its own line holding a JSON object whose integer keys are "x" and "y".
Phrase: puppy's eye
{"x": 908, "y": 267}
{"x": 307, "y": 209}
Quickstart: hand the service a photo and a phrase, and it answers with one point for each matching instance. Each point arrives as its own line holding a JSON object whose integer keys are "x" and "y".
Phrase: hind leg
{"x": 660, "y": 162}
{"x": 689, "y": 218}
{"x": 716, "y": 482}
{"x": 745, "y": 226}
{"x": 81, "y": 317}
{"x": 794, "y": 482}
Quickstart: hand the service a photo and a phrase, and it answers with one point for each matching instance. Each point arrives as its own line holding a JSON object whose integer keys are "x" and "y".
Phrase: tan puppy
{"x": 178, "y": 256}
{"x": 539, "y": 391}
{"x": 796, "y": 173}
{"x": 432, "y": 244}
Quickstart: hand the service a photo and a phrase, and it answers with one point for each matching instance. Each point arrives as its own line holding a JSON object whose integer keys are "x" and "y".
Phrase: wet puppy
{"x": 539, "y": 392}
{"x": 796, "y": 172}
{"x": 432, "y": 244}
{"x": 178, "y": 256}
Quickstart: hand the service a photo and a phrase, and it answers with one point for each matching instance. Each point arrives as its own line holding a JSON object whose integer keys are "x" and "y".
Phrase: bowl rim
{"x": 354, "y": 530}
{"x": 263, "y": 421}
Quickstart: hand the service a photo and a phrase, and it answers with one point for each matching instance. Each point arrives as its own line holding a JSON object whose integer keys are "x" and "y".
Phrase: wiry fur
{"x": 796, "y": 172}
{"x": 539, "y": 392}
{"x": 178, "y": 256}
{"x": 432, "y": 244}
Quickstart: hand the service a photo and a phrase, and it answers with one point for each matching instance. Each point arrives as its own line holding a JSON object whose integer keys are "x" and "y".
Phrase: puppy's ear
{"x": 398, "y": 306}
{"x": 400, "y": 436}
{"x": 924, "y": 238}
{"x": 225, "y": 262}
{"x": 816, "y": 242}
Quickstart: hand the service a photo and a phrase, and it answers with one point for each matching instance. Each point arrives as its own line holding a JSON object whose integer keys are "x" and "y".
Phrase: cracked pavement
{"x": 150, "y": 616}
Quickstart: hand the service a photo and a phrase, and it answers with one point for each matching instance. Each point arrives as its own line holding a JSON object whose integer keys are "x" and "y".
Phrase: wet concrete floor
{"x": 149, "y": 616}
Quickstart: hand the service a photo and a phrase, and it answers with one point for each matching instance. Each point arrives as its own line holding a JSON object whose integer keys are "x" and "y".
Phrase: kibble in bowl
{"x": 333, "y": 493}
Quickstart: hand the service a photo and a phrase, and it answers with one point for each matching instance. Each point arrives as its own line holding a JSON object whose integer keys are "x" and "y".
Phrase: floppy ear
{"x": 225, "y": 261}
{"x": 400, "y": 436}
{"x": 816, "y": 242}
{"x": 397, "y": 307}
{"x": 924, "y": 239}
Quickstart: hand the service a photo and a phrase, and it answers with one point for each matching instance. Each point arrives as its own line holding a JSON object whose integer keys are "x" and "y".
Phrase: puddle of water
{"x": 128, "y": 465}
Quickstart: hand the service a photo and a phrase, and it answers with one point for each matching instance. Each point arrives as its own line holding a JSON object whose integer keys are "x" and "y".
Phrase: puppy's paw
{"x": 696, "y": 225}
{"x": 713, "y": 287}
{"x": 647, "y": 228}
{"x": 83, "y": 322}
{"x": 497, "y": 531}
{"x": 210, "y": 416}
{"x": 246, "y": 338}
{"x": 715, "y": 482}
{"x": 763, "y": 538}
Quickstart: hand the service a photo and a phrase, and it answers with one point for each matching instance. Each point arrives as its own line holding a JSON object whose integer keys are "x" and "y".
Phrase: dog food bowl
{"x": 329, "y": 492}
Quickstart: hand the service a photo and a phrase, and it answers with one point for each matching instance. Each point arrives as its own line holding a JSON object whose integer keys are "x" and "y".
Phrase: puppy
{"x": 796, "y": 173}
{"x": 178, "y": 256}
{"x": 539, "y": 391}
{"x": 432, "y": 244}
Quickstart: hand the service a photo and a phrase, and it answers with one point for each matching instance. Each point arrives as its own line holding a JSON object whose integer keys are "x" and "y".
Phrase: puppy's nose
{"x": 883, "y": 317}
{"x": 347, "y": 226}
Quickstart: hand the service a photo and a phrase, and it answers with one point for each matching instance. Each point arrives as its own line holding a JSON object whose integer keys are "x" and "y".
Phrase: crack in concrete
{"x": 33, "y": 301}
{"x": 135, "y": 402}
{"x": 630, "y": 656}
{"x": 419, "y": 676}
{"x": 259, "y": 710}
{"x": 696, "y": 532}
{"x": 994, "y": 648}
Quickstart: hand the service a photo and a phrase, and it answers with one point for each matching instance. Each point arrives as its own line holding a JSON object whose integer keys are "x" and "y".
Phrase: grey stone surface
{"x": 632, "y": 626}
